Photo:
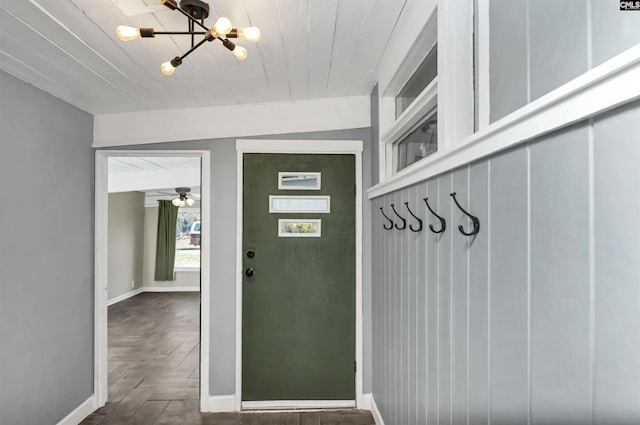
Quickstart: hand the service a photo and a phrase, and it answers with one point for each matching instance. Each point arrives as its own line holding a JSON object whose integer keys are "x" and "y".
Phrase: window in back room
{"x": 188, "y": 239}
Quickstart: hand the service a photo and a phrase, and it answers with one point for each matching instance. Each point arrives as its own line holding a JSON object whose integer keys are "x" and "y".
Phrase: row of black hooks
{"x": 401, "y": 224}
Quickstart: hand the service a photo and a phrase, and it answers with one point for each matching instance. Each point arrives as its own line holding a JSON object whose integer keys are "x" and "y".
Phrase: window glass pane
{"x": 299, "y": 228}
{"x": 188, "y": 238}
{"x": 419, "y": 143}
{"x": 299, "y": 204}
{"x": 298, "y": 181}
{"x": 424, "y": 75}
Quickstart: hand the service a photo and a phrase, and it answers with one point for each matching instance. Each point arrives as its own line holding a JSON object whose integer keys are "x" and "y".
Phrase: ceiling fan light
{"x": 176, "y": 202}
{"x": 250, "y": 33}
{"x": 126, "y": 33}
{"x": 222, "y": 26}
{"x": 190, "y": 202}
{"x": 240, "y": 52}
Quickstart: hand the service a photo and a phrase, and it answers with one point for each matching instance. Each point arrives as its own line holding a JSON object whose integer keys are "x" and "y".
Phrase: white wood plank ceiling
{"x": 309, "y": 49}
{"x": 142, "y": 164}
{"x": 156, "y": 176}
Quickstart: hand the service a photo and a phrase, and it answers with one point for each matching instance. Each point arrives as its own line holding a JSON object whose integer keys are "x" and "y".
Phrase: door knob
{"x": 249, "y": 272}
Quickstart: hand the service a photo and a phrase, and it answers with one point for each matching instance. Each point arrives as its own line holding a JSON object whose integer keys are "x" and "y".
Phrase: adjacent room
{"x": 153, "y": 300}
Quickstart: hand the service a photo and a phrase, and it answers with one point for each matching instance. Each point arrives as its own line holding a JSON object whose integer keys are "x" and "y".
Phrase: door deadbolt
{"x": 249, "y": 272}
{"x": 251, "y": 253}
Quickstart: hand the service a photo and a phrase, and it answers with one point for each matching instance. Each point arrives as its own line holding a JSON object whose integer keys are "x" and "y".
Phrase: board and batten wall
{"x": 536, "y": 320}
{"x": 46, "y": 256}
{"x": 126, "y": 241}
{"x": 538, "y": 45}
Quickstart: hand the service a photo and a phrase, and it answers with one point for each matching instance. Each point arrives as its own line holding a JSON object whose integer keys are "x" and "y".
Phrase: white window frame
{"x": 481, "y": 62}
{"x": 605, "y": 87}
{"x": 451, "y": 92}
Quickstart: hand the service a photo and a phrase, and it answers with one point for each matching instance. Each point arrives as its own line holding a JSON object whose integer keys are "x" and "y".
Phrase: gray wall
{"x": 539, "y": 45}
{"x": 126, "y": 242}
{"x": 223, "y": 251}
{"x": 46, "y": 256}
{"x": 536, "y": 319}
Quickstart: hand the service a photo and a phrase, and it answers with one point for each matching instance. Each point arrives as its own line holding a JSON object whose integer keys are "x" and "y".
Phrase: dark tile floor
{"x": 154, "y": 370}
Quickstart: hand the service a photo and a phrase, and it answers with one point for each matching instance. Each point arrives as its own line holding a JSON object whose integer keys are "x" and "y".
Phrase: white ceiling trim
{"x": 134, "y": 128}
{"x": 152, "y": 180}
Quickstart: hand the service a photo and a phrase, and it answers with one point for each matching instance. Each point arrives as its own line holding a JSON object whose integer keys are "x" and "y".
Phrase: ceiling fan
{"x": 183, "y": 200}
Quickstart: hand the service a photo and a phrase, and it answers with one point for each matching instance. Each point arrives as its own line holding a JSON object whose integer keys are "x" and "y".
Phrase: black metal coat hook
{"x": 419, "y": 229}
{"x": 390, "y": 221}
{"x": 404, "y": 221}
{"x": 443, "y": 222}
{"x": 476, "y": 222}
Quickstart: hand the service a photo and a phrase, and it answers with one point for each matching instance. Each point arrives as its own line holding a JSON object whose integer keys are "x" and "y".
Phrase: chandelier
{"x": 196, "y": 12}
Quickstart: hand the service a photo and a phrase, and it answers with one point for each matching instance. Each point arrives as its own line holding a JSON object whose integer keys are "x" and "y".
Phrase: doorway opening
{"x": 152, "y": 280}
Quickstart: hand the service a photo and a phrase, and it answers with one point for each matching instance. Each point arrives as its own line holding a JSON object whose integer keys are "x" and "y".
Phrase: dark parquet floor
{"x": 154, "y": 370}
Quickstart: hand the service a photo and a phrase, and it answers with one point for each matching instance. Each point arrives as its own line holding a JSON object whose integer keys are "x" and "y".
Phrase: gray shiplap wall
{"x": 536, "y": 320}
{"x": 539, "y": 45}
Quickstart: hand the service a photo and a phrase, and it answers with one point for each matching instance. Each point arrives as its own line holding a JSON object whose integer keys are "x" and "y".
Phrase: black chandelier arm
{"x": 180, "y": 32}
{"x": 191, "y": 29}
{"x": 192, "y": 19}
{"x": 188, "y": 52}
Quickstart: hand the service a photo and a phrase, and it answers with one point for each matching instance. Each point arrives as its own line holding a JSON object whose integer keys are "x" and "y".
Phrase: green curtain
{"x": 166, "y": 244}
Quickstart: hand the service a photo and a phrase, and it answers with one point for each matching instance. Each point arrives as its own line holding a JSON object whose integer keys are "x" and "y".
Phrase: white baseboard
{"x": 374, "y": 411}
{"x": 222, "y": 403}
{"x": 297, "y": 404}
{"x": 171, "y": 289}
{"x": 366, "y": 402}
{"x": 152, "y": 289}
{"x": 124, "y": 296}
{"x": 79, "y": 413}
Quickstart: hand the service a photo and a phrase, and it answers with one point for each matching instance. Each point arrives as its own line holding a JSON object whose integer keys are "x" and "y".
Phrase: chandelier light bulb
{"x": 167, "y": 69}
{"x": 222, "y": 26}
{"x": 240, "y": 52}
{"x": 126, "y": 33}
{"x": 250, "y": 33}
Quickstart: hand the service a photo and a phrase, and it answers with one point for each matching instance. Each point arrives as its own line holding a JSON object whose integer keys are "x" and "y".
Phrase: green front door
{"x": 298, "y": 297}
